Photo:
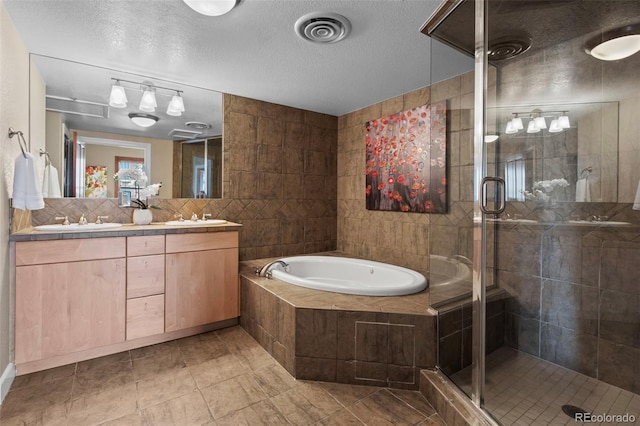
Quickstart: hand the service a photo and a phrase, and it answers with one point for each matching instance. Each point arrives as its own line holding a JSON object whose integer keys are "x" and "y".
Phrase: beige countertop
{"x": 126, "y": 230}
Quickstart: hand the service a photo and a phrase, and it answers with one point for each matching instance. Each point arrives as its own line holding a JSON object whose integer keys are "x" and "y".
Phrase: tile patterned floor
{"x": 219, "y": 378}
{"x": 524, "y": 390}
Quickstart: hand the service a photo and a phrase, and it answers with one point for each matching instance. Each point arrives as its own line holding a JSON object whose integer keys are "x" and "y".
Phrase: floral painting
{"x": 95, "y": 182}
{"x": 406, "y": 161}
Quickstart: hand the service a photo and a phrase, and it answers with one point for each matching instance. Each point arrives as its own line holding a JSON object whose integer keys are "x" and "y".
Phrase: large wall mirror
{"x": 91, "y": 132}
{"x": 569, "y": 150}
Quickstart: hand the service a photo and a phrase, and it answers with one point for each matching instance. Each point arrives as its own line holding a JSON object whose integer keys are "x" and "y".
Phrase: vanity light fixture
{"x": 148, "y": 101}
{"x": 143, "y": 120}
{"x": 538, "y": 122}
{"x": 615, "y": 44}
{"x": 211, "y": 7}
{"x": 490, "y": 138}
{"x": 118, "y": 97}
{"x": 176, "y": 106}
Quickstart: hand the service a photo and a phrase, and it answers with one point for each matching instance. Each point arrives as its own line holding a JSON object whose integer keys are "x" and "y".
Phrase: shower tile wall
{"x": 574, "y": 298}
{"x": 279, "y": 182}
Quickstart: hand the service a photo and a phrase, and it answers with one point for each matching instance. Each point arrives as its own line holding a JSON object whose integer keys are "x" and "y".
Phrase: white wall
{"x": 14, "y": 112}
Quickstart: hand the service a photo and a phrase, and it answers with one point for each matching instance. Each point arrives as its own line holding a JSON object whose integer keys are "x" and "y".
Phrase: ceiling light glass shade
{"x": 554, "y": 127}
{"x": 532, "y": 128}
{"x": 148, "y": 101}
{"x": 211, "y": 7}
{"x": 541, "y": 123}
{"x": 490, "y": 138}
{"x": 563, "y": 122}
{"x": 143, "y": 120}
{"x": 176, "y": 106}
{"x": 117, "y": 98}
{"x": 517, "y": 123}
{"x": 616, "y": 48}
{"x": 510, "y": 130}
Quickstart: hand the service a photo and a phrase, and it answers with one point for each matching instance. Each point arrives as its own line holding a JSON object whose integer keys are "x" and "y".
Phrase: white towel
{"x": 636, "y": 203}
{"x": 26, "y": 191}
{"x": 50, "y": 183}
{"x": 583, "y": 191}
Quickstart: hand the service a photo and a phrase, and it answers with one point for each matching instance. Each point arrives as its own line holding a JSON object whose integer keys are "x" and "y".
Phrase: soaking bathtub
{"x": 349, "y": 276}
{"x": 445, "y": 271}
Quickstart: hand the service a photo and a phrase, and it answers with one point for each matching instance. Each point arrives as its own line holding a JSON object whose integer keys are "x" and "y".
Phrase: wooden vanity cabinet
{"x": 201, "y": 279}
{"x": 145, "y": 286}
{"x": 80, "y": 298}
{"x": 70, "y": 296}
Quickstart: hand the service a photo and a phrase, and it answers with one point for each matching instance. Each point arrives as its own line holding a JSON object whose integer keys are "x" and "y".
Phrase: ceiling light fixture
{"x": 615, "y": 44}
{"x": 143, "y": 120}
{"x": 118, "y": 97}
{"x": 490, "y": 138}
{"x": 176, "y": 106}
{"x": 211, "y": 7}
{"x": 148, "y": 101}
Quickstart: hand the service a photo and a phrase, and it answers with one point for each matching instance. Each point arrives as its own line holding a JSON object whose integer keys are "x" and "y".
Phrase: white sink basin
{"x": 74, "y": 227}
{"x": 195, "y": 222}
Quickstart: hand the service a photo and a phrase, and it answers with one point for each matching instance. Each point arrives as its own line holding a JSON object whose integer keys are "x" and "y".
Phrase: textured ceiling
{"x": 252, "y": 51}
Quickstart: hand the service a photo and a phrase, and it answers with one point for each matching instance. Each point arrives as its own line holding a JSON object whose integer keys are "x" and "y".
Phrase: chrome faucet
{"x": 65, "y": 218}
{"x": 194, "y": 217}
{"x": 99, "y": 219}
{"x": 205, "y": 216}
{"x": 82, "y": 220}
{"x": 265, "y": 270}
{"x": 179, "y": 216}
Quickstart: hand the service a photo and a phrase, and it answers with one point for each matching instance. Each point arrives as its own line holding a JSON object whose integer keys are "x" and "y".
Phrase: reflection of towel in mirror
{"x": 50, "y": 183}
{"x": 636, "y": 203}
{"x": 583, "y": 192}
{"x": 26, "y": 191}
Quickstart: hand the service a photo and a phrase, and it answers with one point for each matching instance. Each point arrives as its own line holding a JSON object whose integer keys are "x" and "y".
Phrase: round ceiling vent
{"x": 197, "y": 125}
{"x": 507, "y": 49}
{"x": 321, "y": 27}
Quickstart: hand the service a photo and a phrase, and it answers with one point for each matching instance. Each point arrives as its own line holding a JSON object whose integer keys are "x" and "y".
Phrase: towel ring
{"x": 24, "y": 148}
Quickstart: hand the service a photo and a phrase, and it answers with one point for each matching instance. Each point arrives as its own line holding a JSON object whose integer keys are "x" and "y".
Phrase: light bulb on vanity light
{"x": 148, "y": 102}
{"x": 554, "y": 127}
{"x": 563, "y": 121}
{"x": 510, "y": 130}
{"x": 176, "y": 106}
{"x": 118, "y": 97}
{"x": 541, "y": 123}
{"x": 516, "y": 122}
{"x": 532, "y": 128}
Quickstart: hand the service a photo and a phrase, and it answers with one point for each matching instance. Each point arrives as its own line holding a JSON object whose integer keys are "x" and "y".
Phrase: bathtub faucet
{"x": 265, "y": 270}
{"x": 461, "y": 258}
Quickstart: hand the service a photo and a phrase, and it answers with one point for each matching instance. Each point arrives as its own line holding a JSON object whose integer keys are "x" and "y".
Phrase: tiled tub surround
{"x": 318, "y": 335}
{"x": 279, "y": 183}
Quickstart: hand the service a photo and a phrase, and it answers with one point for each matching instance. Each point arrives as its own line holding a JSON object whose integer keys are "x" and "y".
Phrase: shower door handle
{"x": 500, "y": 194}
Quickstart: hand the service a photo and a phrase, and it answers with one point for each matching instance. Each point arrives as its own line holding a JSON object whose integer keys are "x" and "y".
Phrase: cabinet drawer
{"x": 145, "y": 276}
{"x": 179, "y": 243}
{"x": 143, "y": 246}
{"x": 73, "y": 250}
{"x": 145, "y": 316}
